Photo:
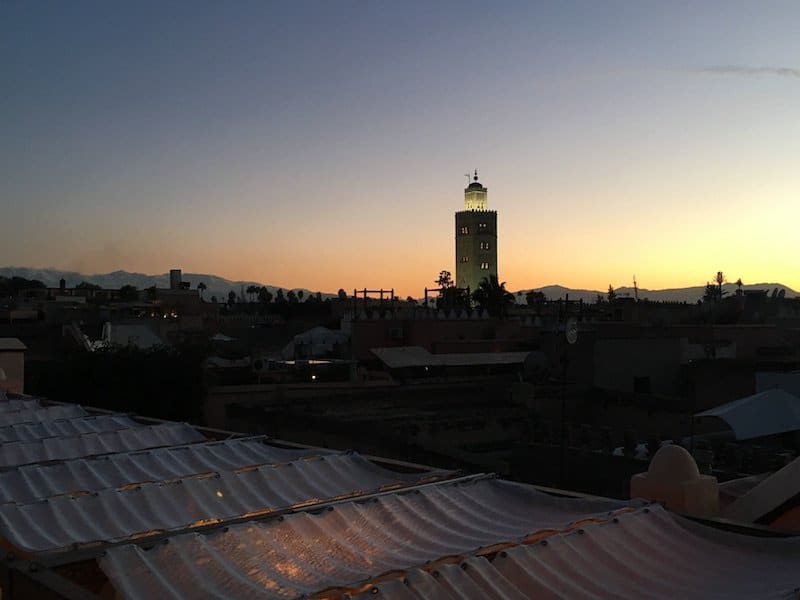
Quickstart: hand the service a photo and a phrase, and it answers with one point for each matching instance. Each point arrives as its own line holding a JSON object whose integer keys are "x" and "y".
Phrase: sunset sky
{"x": 324, "y": 144}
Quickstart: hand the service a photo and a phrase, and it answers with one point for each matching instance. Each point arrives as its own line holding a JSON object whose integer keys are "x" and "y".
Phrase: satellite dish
{"x": 571, "y": 330}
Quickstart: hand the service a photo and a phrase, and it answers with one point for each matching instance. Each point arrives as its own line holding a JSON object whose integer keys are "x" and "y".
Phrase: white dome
{"x": 673, "y": 463}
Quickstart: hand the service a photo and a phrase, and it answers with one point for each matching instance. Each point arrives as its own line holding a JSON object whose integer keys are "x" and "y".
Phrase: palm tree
{"x": 252, "y": 290}
{"x": 201, "y": 287}
{"x": 493, "y": 297}
{"x": 720, "y": 279}
{"x": 264, "y": 295}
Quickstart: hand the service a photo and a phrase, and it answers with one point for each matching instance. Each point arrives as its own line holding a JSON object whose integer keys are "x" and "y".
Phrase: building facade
{"x": 476, "y": 238}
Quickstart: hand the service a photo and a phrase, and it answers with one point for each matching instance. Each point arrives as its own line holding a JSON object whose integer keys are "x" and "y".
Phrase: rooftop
{"x": 97, "y": 504}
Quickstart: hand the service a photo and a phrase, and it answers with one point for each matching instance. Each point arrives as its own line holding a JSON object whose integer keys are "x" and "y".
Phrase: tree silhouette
{"x": 12, "y": 286}
{"x": 450, "y": 297}
{"x": 231, "y": 298}
{"x": 720, "y": 279}
{"x": 612, "y": 295}
{"x": 342, "y": 294}
{"x": 128, "y": 293}
{"x": 710, "y": 295}
{"x": 493, "y": 297}
{"x": 739, "y": 285}
{"x": 252, "y": 290}
{"x": 202, "y": 288}
{"x": 279, "y": 298}
{"x": 533, "y": 298}
{"x": 291, "y": 297}
{"x": 264, "y": 295}
{"x": 300, "y": 295}
{"x": 445, "y": 279}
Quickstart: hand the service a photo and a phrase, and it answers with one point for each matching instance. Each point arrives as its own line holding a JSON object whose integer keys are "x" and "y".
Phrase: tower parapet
{"x": 475, "y": 195}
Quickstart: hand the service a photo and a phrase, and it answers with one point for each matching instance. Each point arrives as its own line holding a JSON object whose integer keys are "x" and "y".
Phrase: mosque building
{"x": 476, "y": 238}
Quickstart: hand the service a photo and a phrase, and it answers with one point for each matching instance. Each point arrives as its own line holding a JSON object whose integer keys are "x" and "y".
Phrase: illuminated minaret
{"x": 476, "y": 238}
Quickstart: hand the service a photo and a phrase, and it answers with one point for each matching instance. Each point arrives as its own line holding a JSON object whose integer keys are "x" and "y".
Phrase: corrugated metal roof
{"x": 26, "y": 432}
{"x": 111, "y": 515}
{"x": 13, "y": 404}
{"x": 637, "y": 555}
{"x": 37, "y": 414}
{"x": 87, "y": 444}
{"x": 343, "y": 545}
{"x": 32, "y": 482}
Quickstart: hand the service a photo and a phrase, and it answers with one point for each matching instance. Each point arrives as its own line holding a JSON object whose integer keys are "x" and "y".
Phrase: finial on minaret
{"x": 476, "y": 175}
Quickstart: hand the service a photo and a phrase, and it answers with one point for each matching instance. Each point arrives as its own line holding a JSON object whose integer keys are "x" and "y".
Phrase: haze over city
{"x": 324, "y": 145}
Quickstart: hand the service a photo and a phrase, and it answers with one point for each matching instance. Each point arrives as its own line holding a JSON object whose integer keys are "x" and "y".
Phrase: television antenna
{"x": 571, "y": 330}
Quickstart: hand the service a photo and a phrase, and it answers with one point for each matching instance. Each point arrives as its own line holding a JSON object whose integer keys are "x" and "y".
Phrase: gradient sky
{"x": 324, "y": 144}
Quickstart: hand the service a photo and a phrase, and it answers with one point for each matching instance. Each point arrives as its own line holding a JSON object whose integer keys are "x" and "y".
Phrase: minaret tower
{"x": 476, "y": 238}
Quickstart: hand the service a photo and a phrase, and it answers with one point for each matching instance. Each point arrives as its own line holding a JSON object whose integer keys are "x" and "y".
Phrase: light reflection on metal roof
{"x": 115, "y": 514}
{"x": 644, "y": 554}
{"x": 31, "y": 482}
{"x": 88, "y": 444}
{"x": 14, "y": 404}
{"x": 345, "y": 544}
{"x": 25, "y": 432}
{"x": 34, "y": 413}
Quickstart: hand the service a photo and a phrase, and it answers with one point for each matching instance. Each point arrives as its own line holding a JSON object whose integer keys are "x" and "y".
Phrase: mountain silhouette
{"x": 219, "y": 286}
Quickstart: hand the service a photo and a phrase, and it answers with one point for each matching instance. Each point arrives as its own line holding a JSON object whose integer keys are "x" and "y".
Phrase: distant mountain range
{"x": 687, "y": 294}
{"x": 219, "y": 286}
{"x": 215, "y": 286}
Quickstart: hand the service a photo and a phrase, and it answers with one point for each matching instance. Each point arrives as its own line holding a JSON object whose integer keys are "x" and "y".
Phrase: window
{"x": 484, "y": 245}
{"x": 482, "y": 226}
{"x": 485, "y": 266}
{"x": 464, "y": 259}
{"x": 464, "y": 230}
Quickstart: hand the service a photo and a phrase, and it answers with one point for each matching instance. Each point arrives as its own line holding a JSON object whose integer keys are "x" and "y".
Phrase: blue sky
{"x": 323, "y": 144}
